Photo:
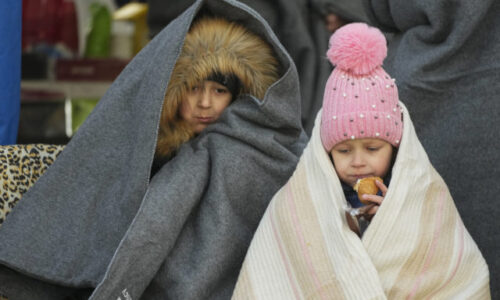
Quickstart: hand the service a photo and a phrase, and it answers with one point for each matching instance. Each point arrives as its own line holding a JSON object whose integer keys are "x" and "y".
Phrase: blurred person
{"x": 445, "y": 57}
{"x": 10, "y": 72}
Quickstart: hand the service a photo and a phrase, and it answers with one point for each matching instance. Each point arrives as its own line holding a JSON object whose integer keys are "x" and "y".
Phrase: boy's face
{"x": 359, "y": 158}
{"x": 204, "y": 104}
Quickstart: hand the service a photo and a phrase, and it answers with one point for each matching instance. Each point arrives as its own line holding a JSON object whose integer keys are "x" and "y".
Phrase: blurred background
{"x": 71, "y": 51}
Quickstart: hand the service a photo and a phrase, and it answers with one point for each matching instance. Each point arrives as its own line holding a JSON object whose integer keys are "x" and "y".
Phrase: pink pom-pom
{"x": 357, "y": 48}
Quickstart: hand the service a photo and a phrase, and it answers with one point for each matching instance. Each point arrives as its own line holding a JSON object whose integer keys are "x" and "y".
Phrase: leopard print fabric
{"x": 20, "y": 168}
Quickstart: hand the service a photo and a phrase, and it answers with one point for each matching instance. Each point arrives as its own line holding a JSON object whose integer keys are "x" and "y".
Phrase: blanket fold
{"x": 416, "y": 246}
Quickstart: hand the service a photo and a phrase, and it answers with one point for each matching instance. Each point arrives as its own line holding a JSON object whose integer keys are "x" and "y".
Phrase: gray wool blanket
{"x": 445, "y": 56}
{"x": 96, "y": 226}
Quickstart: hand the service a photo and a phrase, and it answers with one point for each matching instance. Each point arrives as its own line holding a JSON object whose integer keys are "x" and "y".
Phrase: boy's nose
{"x": 204, "y": 99}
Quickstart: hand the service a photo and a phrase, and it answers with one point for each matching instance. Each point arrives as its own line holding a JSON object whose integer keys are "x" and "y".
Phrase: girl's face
{"x": 204, "y": 104}
{"x": 359, "y": 158}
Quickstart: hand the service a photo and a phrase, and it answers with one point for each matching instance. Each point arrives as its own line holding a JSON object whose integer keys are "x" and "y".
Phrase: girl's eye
{"x": 221, "y": 91}
{"x": 343, "y": 151}
{"x": 195, "y": 88}
{"x": 373, "y": 149}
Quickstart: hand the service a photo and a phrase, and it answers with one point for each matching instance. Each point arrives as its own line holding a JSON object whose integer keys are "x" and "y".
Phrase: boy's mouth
{"x": 205, "y": 119}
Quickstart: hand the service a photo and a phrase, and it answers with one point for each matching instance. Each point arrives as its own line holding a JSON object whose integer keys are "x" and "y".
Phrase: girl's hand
{"x": 368, "y": 211}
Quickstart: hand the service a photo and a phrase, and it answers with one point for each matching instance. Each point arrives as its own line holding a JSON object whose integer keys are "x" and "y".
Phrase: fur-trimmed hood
{"x": 214, "y": 45}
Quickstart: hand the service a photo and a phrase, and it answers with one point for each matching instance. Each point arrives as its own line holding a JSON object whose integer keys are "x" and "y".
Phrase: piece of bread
{"x": 366, "y": 186}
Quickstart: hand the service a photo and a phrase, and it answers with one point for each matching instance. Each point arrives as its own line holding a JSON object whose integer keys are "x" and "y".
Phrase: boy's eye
{"x": 221, "y": 91}
{"x": 195, "y": 88}
{"x": 373, "y": 148}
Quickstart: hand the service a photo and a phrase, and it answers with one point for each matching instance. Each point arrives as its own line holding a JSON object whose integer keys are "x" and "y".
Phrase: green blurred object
{"x": 98, "y": 39}
{"x": 80, "y": 109}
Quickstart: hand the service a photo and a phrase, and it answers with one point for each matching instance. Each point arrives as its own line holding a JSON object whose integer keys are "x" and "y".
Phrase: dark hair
{"x": 230, "y": 81}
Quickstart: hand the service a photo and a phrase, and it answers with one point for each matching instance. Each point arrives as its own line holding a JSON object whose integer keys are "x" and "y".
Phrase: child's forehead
{"x": 361, "y": 142}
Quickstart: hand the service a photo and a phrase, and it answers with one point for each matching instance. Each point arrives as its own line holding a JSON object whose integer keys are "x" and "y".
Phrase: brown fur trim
{"x": 213, "y": 45}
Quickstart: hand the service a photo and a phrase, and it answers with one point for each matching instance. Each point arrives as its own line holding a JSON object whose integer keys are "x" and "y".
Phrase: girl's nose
{"x": 357, "y": 159}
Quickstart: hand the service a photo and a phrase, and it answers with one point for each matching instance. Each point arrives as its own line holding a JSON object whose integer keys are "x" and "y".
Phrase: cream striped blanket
{"x": 416, "y": 246}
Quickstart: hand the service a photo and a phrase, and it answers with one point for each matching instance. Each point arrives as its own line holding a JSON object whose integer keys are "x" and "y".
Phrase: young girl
{"x": 415, "y": 247}
{"x": 97, "y": 225}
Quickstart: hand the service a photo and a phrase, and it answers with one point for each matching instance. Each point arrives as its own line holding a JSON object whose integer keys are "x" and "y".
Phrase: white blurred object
{"x": 136, "y": 14}
{"x": 122, "y": 39}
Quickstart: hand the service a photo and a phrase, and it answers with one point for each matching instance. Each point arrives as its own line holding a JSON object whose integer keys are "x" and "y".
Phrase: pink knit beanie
{"x": 361, "y": 99}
